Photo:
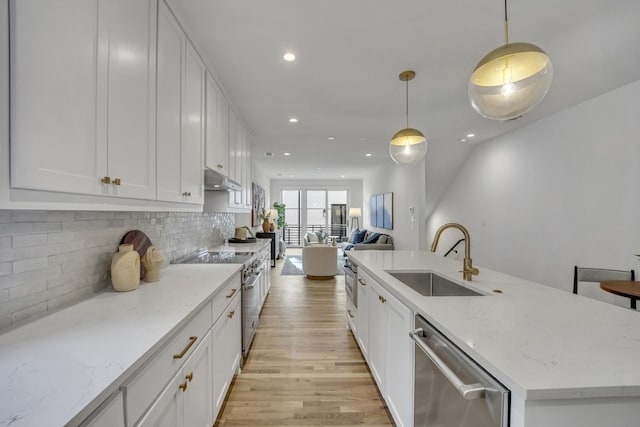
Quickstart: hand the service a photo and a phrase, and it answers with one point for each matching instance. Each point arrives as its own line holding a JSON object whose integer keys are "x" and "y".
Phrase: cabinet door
{"x": 168, "y": 409}
{"x": 198, "y": 395}
{"x": 377, "y": 334}
{"x": 193, "y": 128}
{"x": 235, "y": 156}
{"x": 399, "y": 361}
{"x": 126, "y": 94}
{"x": 247, "y": 174}
{"x": 217, "y": 129}
{"x": 171, "y": 55}
{"x": 363, "y": 315}
{"x": 53, "y": 96}
{"x": 352, "y": 318}
{"x": 110, "y": 414}
{"x": 227, "y": 349}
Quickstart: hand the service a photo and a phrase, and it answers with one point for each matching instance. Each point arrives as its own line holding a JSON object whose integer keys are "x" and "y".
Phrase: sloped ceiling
{"x": 344, "y": 82}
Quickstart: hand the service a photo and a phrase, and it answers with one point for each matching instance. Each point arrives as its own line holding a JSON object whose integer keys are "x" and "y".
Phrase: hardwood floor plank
{"x": 304, "y": 367}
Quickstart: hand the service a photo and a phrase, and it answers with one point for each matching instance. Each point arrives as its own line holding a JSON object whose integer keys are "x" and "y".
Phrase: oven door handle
{"x": 251, "y": 284}
{"x": 467, "y": 391}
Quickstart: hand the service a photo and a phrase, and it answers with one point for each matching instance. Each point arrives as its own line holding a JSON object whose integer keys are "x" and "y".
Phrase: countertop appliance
{"x": 250, "y": 293}
{"x": 350, "y": 285}
{"x": 451, "y": 389}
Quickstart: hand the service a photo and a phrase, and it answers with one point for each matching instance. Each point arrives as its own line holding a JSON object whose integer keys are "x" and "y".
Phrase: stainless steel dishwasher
{"x": 451, "y": 390}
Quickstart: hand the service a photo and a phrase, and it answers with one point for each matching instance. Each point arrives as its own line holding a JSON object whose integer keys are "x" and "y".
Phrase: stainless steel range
{"x": 250, "y": 294}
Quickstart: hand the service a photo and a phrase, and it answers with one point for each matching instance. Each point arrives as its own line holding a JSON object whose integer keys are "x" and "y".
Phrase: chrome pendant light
{"x": 510, "y": 80}
{"x": 408, "y": 146}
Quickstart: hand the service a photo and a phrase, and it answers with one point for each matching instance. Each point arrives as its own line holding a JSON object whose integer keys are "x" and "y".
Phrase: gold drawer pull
{"x": 362, "y": 282}
{"x": 233, "y": 291}
{"x": 192, "y": 341}
{"x": 106, "y": 180}
{"x": 116, "y": 181}
{"x": 189, "y": 377}
{"x": 350, "y": 315}
{"x": 231, "y": 314}
{"x": 183, "y": 386}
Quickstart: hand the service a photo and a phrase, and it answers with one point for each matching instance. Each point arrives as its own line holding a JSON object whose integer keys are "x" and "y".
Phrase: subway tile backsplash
{"x": 50, "y": 259}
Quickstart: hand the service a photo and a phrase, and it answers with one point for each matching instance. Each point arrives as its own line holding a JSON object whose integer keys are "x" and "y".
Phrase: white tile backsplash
{"x": 50, "y": 259}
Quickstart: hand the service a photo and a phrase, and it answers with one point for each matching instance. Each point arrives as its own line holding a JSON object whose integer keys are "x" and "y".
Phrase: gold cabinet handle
{"x": 192, "y": 341}
{"x": 220, "y": 166}
{"x": 116, "y": 181}
{"x": 189, "y": 377}
{"x": 362, "y": 282}
{"x": 233, "y": 291}
{"x": 350, "y": 315}
{"x": 189, "y": 194}
{"x": 231, "y": 314}
{"x": 183, "y": 386}
{"x": 184, "y": 193}
{"x": 383, "y": 299}
{"x": 106, "y": 180}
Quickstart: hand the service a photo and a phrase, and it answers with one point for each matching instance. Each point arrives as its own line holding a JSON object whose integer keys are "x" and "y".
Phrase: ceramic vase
{"x": 152, "y": 262}
{"x": 266, "y": 226}
{"x": 125, "y": 269}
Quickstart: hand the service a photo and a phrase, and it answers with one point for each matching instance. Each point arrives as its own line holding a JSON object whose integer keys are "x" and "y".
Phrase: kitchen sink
{"x": 433, "y": 285}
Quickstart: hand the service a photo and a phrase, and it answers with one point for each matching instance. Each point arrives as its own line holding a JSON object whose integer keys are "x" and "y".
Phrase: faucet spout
{"x": 468, "y": 270}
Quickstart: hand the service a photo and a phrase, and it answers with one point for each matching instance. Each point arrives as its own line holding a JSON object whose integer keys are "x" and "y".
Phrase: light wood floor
{"x": 304, "y": 367}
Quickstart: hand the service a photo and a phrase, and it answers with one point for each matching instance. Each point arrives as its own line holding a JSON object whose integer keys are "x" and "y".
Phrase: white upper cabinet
{"x": 180, "y": 107}
{"x": 126, "y": 94}
{"x": 217, "y": 129}
{"x": 53, "y": 96}
{"x": 82, "y": 97}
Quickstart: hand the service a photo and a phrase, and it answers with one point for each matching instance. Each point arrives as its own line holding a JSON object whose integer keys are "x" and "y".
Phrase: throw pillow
{"x": 382, "y": 239}
{"x": 372, "y": 238}
{"x": 353, "y": 233}
{"x": 359, "y": 236}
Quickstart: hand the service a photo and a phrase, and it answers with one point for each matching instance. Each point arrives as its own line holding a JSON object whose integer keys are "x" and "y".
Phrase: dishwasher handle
{"x": 467, "y": 391}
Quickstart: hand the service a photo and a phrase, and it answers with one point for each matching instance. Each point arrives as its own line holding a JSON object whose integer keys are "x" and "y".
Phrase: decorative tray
{"x": 247, "y": 240}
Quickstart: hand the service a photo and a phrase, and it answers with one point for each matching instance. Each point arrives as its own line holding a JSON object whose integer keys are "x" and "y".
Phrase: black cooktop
{"x": 209, "y": 257}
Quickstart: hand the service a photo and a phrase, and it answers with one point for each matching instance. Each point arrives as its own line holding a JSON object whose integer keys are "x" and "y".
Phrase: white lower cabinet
{"x": 186, "y": 401}
{"x": 362, "y": 321}
{"x": 109, "y": 414}
{"x": 383, "y": 325}
{"x": 227, "y": 351}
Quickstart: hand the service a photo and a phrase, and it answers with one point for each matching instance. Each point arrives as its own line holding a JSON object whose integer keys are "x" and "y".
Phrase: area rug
{"x": 293, "y": 266}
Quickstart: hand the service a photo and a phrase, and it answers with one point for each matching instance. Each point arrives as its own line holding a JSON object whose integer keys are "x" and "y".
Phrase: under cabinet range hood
{"x": 213, "y": 181}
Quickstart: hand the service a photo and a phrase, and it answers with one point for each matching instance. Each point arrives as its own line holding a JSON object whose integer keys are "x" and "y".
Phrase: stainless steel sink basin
{"x": 433, "y": 285}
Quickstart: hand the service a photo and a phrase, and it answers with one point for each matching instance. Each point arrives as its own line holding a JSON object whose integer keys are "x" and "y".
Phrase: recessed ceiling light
{"x": 471, "y": 135}
{"x": 290, "y": 176}
{"x": 289, "y": 57}
{"x": 293, "y": 120}
{"x": 286, "y": 154}
{"x": 319, "y": 168}
{"x": 368, "y": 154}
{"x": 463, "y": 140}
{"x": 342, "y": 176}
{"x": 331, "y": 138}
{"x": 268, "y": 154}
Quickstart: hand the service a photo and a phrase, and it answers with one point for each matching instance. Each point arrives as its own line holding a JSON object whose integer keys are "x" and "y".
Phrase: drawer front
{"x": 352, "y": 320}
{"x": 223, "y": 298}
{"x": 143, "y": 388}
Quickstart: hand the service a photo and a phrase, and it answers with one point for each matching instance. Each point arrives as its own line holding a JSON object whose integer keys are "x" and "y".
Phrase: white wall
{"x": 408, "y": 186}
{"x": 560, "y": 192}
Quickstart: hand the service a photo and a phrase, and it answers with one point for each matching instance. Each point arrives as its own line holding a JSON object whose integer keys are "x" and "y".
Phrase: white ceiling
{"x": 344, "y": 81}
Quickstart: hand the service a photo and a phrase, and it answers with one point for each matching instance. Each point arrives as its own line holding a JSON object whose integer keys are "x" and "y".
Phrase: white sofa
{"x": 320, "y": 262}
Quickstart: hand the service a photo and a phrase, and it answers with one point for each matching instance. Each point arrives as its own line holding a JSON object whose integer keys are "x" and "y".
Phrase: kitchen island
{"x": 567, "y": 359}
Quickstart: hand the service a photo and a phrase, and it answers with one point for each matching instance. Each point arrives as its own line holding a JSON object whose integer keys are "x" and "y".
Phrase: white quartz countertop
{"x": 541, "y": 342}
{"x": 258, "y": 245}
{"x": 62, "y": 366}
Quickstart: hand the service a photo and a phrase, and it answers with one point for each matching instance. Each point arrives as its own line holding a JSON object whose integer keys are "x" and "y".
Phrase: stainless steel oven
{"x": 450, "y": 388}
{"x": 350, "y": 284}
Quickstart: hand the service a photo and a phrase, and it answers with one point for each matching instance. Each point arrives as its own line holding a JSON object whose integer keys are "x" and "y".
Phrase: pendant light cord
{"x": 407, "y": 98}
{"x": 506, "y": 24}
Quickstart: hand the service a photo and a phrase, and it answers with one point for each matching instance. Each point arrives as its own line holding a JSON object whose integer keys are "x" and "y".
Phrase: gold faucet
{"x": 468, "y": 270}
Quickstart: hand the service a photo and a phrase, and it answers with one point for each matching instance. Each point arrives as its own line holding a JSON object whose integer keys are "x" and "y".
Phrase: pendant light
{"x": 408, "y": 146}
{"x": 510, "y": 80}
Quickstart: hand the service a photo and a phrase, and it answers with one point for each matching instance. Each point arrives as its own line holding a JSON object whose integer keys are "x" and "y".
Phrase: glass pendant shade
{"x": 510, "y": 81}
{"x": 408, "y": 146}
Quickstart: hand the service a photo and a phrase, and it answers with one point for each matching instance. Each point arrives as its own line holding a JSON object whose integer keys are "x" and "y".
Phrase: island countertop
{"x": 60, "y": 367}
{"x": 541, "y": 342}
